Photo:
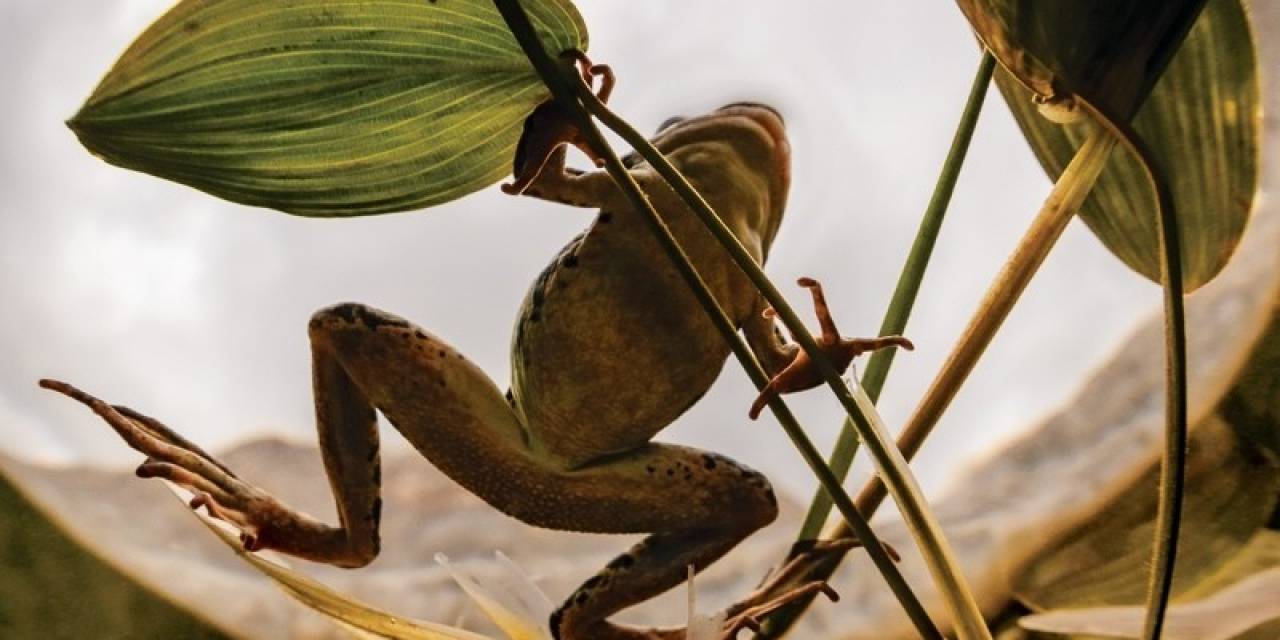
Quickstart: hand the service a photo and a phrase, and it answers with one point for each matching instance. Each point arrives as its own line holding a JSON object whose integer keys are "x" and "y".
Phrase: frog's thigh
{"x": 663, "y": 487}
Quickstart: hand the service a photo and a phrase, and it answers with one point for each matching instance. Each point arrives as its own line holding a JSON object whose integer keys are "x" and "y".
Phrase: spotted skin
{"x": 608, "y": 349}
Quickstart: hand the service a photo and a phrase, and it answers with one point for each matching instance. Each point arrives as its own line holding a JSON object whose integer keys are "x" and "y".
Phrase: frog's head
{"x": 748, "y": 137}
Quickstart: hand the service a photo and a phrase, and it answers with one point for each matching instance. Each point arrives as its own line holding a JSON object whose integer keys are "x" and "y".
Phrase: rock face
{"x": 142, "y": 528}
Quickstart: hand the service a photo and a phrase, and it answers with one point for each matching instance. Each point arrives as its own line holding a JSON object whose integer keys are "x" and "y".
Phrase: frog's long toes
{"x": 807, "y": 282}
{"x": 749, "y": 618}
{"x": 249, "y": 532}
{"x": 137, "y": 437}
{"x": 217, "y": 488}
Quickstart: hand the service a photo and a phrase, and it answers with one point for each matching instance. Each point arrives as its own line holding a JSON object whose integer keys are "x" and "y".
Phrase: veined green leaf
{"x": 1200, "y": 119}
{"x": 1242, "y": 611}
{"x": 1231, "y": 491}
{"x": 1262, "y": 553}
{"x": 324, "y": 108}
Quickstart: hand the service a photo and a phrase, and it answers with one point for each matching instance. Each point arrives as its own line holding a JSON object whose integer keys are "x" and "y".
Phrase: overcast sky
{"x": 194, "y": 310}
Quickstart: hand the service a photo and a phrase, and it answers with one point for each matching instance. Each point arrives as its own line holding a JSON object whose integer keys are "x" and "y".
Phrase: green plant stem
{"x": 889, "y": 461}
{"x": 557, "y": 81}
{"x": 1173, "y": 464}
{"x": 904, "y": 295}
{"x": 1059, "y": 208}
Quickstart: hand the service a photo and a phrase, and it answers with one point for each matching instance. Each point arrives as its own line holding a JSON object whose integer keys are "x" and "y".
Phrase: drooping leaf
{"x": 1231, "y": 492}
{"x": 1200, "y": 118}
{"x": 325, "y": 108}
{"x": 510, "y": 600}
{"x": 1235, "y": 613}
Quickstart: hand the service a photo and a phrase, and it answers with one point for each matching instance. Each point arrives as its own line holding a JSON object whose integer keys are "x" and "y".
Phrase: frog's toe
{"x": 749, "y": 614}
{"x": 215, "y": 488}
{"x": 145, "y": 435}
{"x": 249, "y": 531}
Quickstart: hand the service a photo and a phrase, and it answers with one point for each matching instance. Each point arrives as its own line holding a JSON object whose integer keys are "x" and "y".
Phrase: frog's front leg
{"x": 550, "y": 128}
{"x": 262, "y": 520}
{"x": 801, "y": 373}
{"x": 765, "y": 339}
{"x": 574, "y": 187}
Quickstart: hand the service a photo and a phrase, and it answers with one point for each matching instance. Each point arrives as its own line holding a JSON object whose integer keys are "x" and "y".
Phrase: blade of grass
{"x": 558, "y": 82}
{"x": 890, "y": 463}
{"x": 904, "y": 295}
{"x": 895, "y": 321}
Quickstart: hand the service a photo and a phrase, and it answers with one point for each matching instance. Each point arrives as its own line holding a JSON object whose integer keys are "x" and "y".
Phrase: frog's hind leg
{"x": 696, "y": 505}
{"x": 362, "y": 360}
{"x": 699, "y": 504}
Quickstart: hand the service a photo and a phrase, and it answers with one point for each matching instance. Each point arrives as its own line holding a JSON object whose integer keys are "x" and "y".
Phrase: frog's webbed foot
{"x": 263, "y": 521}
{"x": 550, "y": 128}
{"x": 801, "y": 373}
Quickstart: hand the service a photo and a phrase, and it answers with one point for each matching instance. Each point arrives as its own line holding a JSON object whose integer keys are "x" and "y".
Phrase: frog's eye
{"x": 668, "y": 123}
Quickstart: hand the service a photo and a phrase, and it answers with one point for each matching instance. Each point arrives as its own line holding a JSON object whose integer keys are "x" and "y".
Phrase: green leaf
{"x": 51, "y": 586}
{"x": 1260, "y": 554}
{"x": 1201, "y": 119}
{"x": 325, "y": 108}
{"x": 1244, "y": 610}
{"x": 1232, "y": 490}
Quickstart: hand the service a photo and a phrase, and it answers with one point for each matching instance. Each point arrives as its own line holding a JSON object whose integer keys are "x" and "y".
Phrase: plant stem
{"x": 1059, "y": 208}
{"x": 1065, "y": 199}
{"x": 1173, "y": 464}
{"x": 889, "y": 461}
{"x": 904, "y": 295}
{"x": 563, "y": 90}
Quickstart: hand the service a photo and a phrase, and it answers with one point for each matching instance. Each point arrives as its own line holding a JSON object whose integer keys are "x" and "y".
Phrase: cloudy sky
{"x": 194, "y": 310}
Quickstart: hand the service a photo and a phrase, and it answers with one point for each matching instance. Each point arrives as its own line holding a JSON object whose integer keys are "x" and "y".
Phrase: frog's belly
{"x": 604, "y": 359}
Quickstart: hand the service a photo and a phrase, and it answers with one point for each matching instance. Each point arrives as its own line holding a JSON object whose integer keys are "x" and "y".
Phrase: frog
{"x": 609, "y": 348}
